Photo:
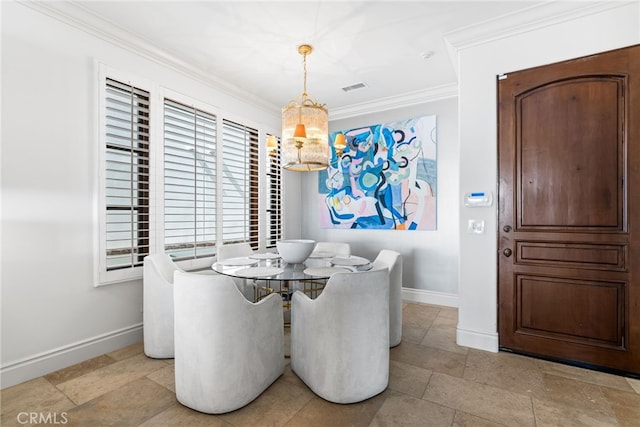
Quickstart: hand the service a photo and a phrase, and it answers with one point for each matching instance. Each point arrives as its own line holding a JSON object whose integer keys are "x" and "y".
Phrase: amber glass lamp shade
{"x": 339, "y": 143}
{"x": 272, "y": 144}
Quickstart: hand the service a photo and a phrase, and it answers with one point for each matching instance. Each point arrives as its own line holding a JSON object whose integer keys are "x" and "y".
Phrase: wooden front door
{"x": 569, "y": 211}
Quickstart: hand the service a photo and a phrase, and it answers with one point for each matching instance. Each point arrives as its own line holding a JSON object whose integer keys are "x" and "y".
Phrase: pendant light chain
{"x": 304, "y": 67}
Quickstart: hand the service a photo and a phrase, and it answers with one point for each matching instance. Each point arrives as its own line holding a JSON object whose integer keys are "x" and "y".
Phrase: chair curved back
{"x": 232, "y": 250}
{"x": 392, "y": 261}
{"x": 227, "y": 349}
{"x": 157, "y": 305}
{"x": 339, "y": 249}
{"x": 340, "y": 340}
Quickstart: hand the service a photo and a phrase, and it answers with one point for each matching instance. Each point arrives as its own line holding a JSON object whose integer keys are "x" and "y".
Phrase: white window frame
{"x": 246, "y": 148}
{"x": 102, "y": 275}
{"x": 158, "y": 174}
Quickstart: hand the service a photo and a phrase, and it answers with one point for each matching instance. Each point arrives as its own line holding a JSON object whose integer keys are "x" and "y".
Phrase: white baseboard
{"x": 478, "y": 340}
{"x": 37, "y": 365}
{"x": 467, "y": 338}
{"x": 429, "y": 297}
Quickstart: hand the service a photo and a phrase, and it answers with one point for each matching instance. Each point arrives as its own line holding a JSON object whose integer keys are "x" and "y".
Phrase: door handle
{"x": 507, "y": 252}
{"x": 507, "y": 228}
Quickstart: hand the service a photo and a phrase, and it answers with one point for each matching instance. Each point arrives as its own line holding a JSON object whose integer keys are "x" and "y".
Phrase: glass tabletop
{"x": 277, "y": 269}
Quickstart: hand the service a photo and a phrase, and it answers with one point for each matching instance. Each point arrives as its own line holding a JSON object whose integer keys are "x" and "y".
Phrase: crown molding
{"x": 508, "y": 25}
{"x": 522, "y": 21}
{"x": 76, "y": 15}
{"x": 400, "y": 101}
{"x": 535, "y": 17}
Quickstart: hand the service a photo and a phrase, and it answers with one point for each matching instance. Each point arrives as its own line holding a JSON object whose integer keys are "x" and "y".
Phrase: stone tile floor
{"x": 433, "y": 382}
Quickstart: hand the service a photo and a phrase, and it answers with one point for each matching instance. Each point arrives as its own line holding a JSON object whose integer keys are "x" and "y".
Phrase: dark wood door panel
{"x": 579, "y": 311}
{"x": 571, "y": 255}
{"x": 569, "y": 210}
{"x": 575, "y": 162}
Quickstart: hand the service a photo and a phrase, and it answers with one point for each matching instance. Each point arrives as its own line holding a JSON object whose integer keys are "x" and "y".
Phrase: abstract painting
{"x": 384, "y": 179}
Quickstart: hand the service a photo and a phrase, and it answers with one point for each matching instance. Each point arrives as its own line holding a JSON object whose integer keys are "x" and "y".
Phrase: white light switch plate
{"x": 475, "y": 226}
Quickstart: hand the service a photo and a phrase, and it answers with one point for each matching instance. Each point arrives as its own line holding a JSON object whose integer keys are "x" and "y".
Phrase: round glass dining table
{"x": 271, "y": 273}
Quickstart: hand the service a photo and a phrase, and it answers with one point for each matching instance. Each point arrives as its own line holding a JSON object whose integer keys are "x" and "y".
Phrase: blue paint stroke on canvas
{"x": 386, "y": 178}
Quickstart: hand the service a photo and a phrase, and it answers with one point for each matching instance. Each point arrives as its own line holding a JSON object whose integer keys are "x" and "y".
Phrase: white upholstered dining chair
{"x": 340, "y": 340}
{"x": 227, "y": 350}
{"x": 234, "y": 250}
{"x": 338, "y": 249}
{"x": 157, "y": 305}
{"x": 392, "y": 260}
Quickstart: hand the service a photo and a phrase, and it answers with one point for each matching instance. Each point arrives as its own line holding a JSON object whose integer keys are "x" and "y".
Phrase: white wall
{"x": 430, "y": 258}
{"x": 52, "y": 315}
{"x": 479, "y": 64}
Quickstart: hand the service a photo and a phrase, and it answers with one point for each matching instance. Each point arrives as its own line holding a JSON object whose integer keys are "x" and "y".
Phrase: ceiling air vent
{"x": 354, "y": 87}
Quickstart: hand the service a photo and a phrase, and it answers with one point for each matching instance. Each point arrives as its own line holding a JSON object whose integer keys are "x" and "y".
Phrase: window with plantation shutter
{"x": 177, "y": 177}
{"x": 126, "y": 175}
{"x": 274, "y": 199}
{"x": 239, "y": 184}
{"x": 189, "y": 182}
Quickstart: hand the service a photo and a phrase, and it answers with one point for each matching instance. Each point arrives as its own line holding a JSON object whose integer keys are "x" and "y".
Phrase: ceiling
{"x": 396, "y": 48}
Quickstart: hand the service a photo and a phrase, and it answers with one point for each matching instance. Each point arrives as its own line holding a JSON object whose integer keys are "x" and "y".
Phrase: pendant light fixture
{"x": 305, "y": 129}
